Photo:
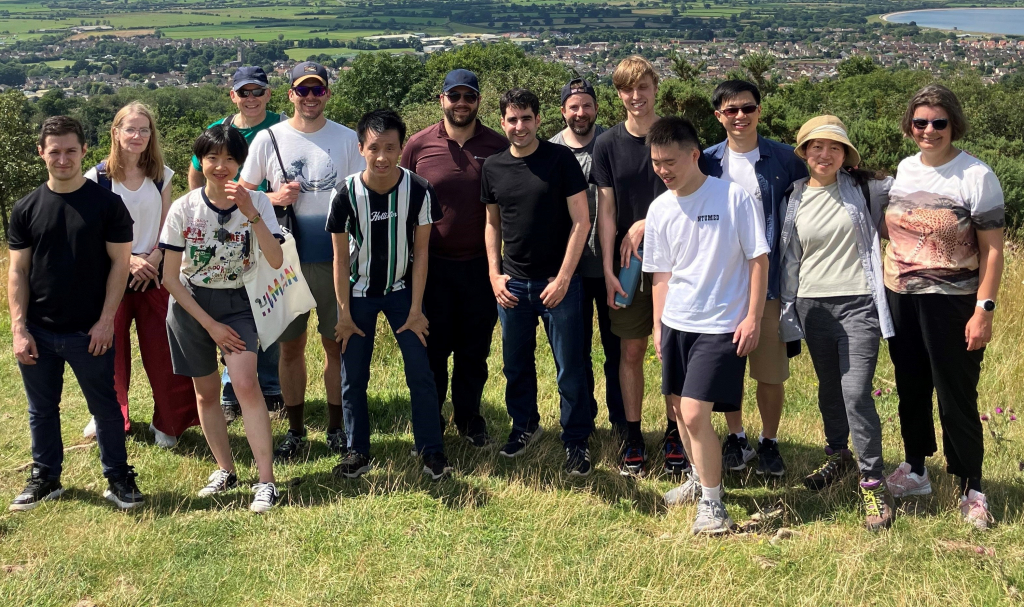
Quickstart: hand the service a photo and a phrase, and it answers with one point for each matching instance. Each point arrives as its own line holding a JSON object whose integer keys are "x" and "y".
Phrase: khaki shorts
{"x": 320, "y": 278}
{"x": 769, "y": 362}
{"x": 635, "y": 321}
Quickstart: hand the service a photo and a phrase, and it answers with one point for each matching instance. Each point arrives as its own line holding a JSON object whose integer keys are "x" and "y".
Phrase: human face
{"x": 580, "y": 113}
{"x": 63, "y": 156}
{"x": 382, "y": 152}
{"x": 309, "y": 107}
{"x": 219, "y": 167}
{"x": 134, "y": 133}
{"x": 251, "y": 106}
{"x": 639, "y": 99}
{"x": 674, "y": 165}
{"x": 460, "y": 113}
{"x": 741, "y": 124}
{"x": 520, "y": 126}
{"x": 824, "y": 158}
{"x": 928, "y": 139}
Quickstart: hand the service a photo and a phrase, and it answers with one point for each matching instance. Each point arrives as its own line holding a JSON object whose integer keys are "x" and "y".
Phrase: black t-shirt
{"x": 70, "y": 264}
{"x": 535, "y": 219}
{"x": 623, "y": 162}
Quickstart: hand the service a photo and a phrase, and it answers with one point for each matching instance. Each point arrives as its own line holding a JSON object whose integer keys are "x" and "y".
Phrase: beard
{"x": 581, "y": 130}
{"x": 466, "y": 120}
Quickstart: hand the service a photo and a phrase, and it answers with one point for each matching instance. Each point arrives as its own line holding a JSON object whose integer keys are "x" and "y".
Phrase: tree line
{"x": 870, "y": 100}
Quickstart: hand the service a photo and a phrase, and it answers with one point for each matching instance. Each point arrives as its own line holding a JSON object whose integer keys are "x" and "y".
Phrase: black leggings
{"x": 929, "y": 353}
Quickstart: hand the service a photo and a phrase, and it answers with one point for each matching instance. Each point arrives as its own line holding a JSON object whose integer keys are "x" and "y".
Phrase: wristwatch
{"x": 255, "y": 219}
{"x": 989, "y": 305}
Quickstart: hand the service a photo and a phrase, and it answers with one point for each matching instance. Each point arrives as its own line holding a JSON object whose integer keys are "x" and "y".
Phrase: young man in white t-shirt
{"x": 303, "y": 160}
{"x": 704, "y": 243}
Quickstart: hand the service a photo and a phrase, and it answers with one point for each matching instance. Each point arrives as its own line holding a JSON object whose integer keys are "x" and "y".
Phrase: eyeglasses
{"x": 250, "y": 92}
{"x": 303, "y": 91}
{"x": 132, "y": 131}
{"x": 939, "y": 124}
{"x": 455, "y": 96}
{"x": 733, "y": 111}
{"x": 222, "y": 234}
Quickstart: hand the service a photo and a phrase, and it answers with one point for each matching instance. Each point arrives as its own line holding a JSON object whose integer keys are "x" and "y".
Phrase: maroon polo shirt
{"x": 455, "y": 174}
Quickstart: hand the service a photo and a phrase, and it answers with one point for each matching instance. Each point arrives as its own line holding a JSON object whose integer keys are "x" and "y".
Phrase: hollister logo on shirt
{"x": 382, "y": 216}
{"x": 701, "y": 218}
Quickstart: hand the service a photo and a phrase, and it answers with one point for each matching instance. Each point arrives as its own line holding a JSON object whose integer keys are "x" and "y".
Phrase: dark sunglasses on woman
{"x": 939, "y": 124}
{"x": 454, "y": 97}
{"x": 250, "y": 92}
{"x": 303, "y": 91}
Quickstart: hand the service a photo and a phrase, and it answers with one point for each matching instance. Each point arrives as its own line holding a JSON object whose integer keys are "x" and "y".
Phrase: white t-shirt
{"x": 318, "y": 162}
{"x": 932, "y": 217}
{"x": 144, "y": 205}
{"x": 705, "y": 240}
{"x": 739, "y": 168}
{"x": 216, "y": 244}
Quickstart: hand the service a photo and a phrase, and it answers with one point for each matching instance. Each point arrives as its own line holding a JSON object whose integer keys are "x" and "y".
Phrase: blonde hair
{"x": 151, "y": 161}
{"x": 631, "y": 70}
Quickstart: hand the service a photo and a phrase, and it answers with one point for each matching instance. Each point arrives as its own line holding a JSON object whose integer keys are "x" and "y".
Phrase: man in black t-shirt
{"x": 536, "y": 199}
{"x": 70, "y": 242}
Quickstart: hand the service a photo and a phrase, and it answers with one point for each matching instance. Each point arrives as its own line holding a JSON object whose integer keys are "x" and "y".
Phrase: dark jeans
{"x": 44, "y": 382}
{"x": 594, "y": 295}
{"x": 355, "y": 373}
{"x": 929, "y": 354}
{"x": 266, "y": 373}
{"x": 459, "y": 304}
{"x": 565, "y": 330}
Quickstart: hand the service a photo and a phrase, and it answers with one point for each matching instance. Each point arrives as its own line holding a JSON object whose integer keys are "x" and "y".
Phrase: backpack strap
{"x": 277, "y": 151}
{"x": 867, "y": 194}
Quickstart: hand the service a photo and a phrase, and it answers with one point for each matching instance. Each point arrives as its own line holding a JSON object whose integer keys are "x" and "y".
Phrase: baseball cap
{"x": 460, "y": 78}
{"x": 309, "y": 69}
{"x": 578, "y": 85}
{"x": 249, "y": 74}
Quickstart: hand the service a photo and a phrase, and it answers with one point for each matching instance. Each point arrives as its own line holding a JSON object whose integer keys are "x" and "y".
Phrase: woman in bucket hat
{"x": 834, "y": 298}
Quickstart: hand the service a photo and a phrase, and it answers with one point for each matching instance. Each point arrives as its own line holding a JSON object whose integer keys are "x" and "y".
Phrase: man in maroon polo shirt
{"x": 458, "y": 300}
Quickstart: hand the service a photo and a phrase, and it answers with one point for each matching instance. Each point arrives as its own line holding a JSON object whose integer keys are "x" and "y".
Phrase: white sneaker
{"x": 89, "y": 431}
{"x": 902, "y": 482}
{"x": 712, "y": 519}
{"x": 265, "y": 498}
{"x": 687, "y": 493}
{"x": 165, "y": 441}
{"x": 219, "y": 482}
{"x": 974, "y": 508}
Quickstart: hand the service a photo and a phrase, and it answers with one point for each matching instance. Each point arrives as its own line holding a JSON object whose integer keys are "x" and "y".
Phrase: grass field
{"x": 501, "y": 532}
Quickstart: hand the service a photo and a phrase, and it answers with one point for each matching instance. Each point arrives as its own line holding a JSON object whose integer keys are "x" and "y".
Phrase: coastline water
{"x": 1004, "y": 21}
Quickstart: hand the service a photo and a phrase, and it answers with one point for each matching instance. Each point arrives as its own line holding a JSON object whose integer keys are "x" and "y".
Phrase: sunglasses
{"x": 455, "y": 96}
{"x": 222, "y": 234}
{"x": 250, "y": 92}
{"x": 303, "y": 91}
{"x": 733, "y": 111}
{"x": 939, "y": 124}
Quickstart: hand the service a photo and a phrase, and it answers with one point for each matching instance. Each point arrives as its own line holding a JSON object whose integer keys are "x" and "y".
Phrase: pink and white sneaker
{"x": 974, "y": 507}
{"x": 903, "y": 482}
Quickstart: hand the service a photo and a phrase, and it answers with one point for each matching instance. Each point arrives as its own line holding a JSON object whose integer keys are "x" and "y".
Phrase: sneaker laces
{"x": 872, "y": 500}
{"x": 219, "y": 479}
{"x": 830, "y": 465}
{"x": 265, "y": 492}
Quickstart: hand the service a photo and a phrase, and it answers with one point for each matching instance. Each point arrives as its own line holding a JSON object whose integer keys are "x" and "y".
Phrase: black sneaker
{"x": 275, "y": 402}
{"x": 476, "y": 434}
{"x": 36, "y": 491}
{"x": 290, "y": 446}
{"x": 837, "y": 465}
{"x": 676, "y": 462}
{"x": 577, "y": 460}
{"x": 265, "y": 495}
{"x": 337, "y": 442}
{"x": 436, "y": 466}
{"x": 123, "y": 491}
{"x": 353, "y": 465}
{"x": 736, "y": 452}
{"x": 769, "y": 460}
{"x": 219, "y": 482}
{"x": 232, "y": 410}
{"x": 634, "y": 459}
{"x": 518, "y": 441}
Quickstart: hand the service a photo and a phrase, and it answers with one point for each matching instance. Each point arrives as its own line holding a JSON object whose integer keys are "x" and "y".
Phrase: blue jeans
{"x": 355, "y": 373}
{"x": 567, "y": 335}
{"x": 266, "y": 372}
{"x": 44, "y": 382}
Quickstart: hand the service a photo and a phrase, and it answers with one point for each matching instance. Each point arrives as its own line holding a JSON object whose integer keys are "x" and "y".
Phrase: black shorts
{"x": 703, "y": 367}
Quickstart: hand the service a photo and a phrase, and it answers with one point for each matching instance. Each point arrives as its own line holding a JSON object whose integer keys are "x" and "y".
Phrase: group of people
{"x": 747, "y": 248}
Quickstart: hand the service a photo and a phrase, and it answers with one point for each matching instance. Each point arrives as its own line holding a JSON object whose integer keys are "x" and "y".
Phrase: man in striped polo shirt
{"x": 380, "y": 224}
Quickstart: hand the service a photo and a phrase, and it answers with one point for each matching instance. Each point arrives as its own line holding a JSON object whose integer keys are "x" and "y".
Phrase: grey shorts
{"x": 320, "y": 278}
{"x": 193, "y": 351}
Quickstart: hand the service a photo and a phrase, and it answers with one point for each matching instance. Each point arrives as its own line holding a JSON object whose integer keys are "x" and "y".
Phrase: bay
{"x": 982, "y": 20}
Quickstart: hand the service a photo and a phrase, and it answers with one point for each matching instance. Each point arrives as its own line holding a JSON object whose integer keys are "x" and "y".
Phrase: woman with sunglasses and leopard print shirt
{"x": 942, "y": 268}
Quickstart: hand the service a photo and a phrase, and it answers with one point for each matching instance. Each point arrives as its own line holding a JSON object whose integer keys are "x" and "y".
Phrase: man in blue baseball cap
{"x": 458, "y": 300}
{"x": 250, "y": 92}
